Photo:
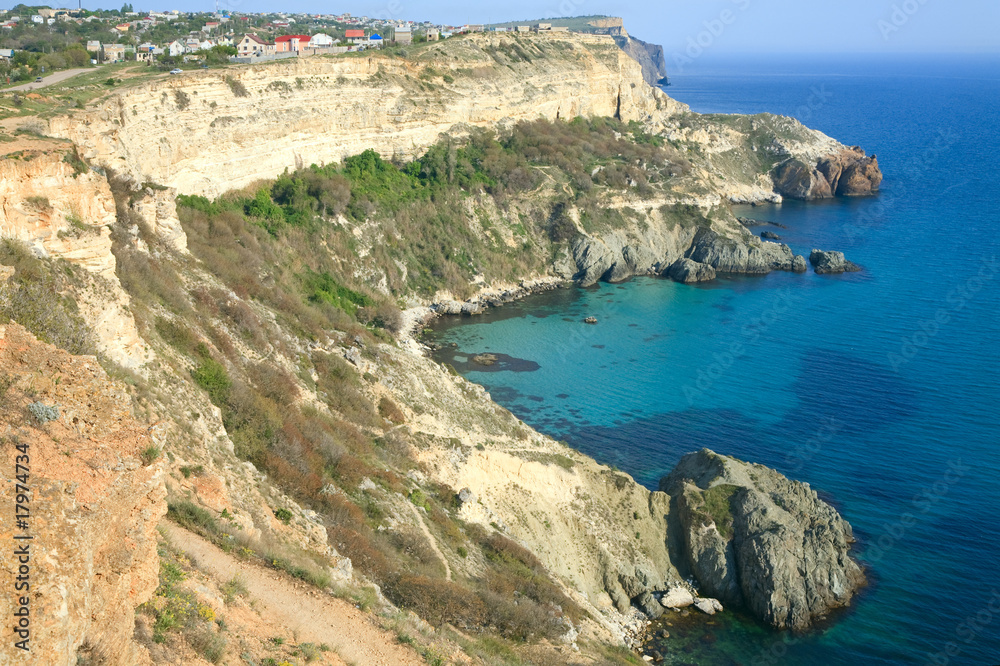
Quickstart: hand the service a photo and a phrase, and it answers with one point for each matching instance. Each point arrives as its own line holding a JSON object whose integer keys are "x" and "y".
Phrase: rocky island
{"x": 232, "y": 246}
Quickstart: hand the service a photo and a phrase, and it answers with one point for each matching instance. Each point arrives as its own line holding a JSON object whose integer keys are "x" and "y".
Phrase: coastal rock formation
{"x": 847, "y": 173}
{"x": 94, "y": 505}
{"x": 753, "y": 537}
{"x": 689, "y": 271}
{"x": 770, "y": 235}
{"x": 752, "y": 257}
{"x": 831, "y": 262}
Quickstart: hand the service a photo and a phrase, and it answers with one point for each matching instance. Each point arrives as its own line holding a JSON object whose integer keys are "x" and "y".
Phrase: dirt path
{"x": 432, "y": 540}
{"x": 50, "y": 79}
{"x": 318, "y": 618}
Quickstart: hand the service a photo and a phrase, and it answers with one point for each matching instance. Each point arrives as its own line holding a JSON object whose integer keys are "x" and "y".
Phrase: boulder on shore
{"x": 756, "y": 539}
{"x": 831, "y": 262}
{"x": 677, "y": 597}
{"x": 708, "y": 606}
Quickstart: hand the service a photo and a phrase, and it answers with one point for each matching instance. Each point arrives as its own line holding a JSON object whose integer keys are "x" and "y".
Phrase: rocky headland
{"x": 363, "y": 445}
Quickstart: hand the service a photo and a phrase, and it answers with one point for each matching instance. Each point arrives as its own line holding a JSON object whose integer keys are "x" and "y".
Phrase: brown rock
{"x": 93, "y": 510}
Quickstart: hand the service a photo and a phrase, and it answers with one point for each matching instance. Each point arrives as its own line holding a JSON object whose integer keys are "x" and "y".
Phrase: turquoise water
{"x": 878, "y": 388}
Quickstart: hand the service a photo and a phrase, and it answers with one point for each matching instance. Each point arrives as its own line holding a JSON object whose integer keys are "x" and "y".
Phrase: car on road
{"x": 38, "y": 79}
{"x": 177, "y": 71}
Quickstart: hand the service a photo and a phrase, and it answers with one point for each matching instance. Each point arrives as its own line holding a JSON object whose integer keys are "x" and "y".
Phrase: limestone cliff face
{"x": 754, "y": 538}
{"x": 61, "y": 213}
{"x": 94, "y": 506}
{"x": 208, "y": 132}
{"x": 598, "y": 530}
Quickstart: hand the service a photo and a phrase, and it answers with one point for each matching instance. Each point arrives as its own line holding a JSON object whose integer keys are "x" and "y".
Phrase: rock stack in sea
{"x": 756, "y": 539}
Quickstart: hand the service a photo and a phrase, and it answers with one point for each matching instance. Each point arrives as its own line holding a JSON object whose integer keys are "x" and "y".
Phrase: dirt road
{"x": 49, "y": 80}
{"x": 318, "y": 618}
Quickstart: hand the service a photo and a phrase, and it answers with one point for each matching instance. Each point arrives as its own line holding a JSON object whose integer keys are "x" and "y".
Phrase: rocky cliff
{"x": 754, "y": 538}
{"x": 96, "y": 495}
{"x": 845, "y": 173}
{"x": 219, "y": 130}
{"x": 649, "y": 56}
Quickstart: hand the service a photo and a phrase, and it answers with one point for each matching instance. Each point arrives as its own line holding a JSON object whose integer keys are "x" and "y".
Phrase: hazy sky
{"x": 717, "y": 26}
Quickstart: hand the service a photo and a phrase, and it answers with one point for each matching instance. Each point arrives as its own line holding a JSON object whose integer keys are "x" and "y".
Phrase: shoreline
{"x": 492, "y": 296}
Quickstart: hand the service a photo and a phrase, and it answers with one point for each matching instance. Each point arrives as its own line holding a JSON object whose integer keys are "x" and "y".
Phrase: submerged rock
{"x": 770, "y": 235}
{"x": 485, "y": 359}
{"x": 831, "y": 262}
{"x": 590, "y": 320}
{"x": 754, "y": 538}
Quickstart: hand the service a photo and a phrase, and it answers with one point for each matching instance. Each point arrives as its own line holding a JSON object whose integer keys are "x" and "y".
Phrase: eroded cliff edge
{"x": 92, "y": 509}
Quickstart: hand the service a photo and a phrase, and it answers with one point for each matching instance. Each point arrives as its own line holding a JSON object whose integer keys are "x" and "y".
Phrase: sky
{"x": 683, "y": 26}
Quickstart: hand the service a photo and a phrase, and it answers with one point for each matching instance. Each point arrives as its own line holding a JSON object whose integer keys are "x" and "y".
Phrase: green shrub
{"x": 283, "y": 514}
{"x": 195, "y": 518}
{"x": 212, "y": 376}
{"x": 237, "y": 87}
{"x": 149, "y": 455}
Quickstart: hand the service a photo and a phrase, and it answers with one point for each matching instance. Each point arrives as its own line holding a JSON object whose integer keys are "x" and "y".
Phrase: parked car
{"x": 177, "y": 71}
{"x": 38, "y": 79}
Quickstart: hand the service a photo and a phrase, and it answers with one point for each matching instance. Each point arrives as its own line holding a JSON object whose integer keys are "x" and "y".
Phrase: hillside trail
{"x": 431, "y": 540}
{"x": 317, "y": 618}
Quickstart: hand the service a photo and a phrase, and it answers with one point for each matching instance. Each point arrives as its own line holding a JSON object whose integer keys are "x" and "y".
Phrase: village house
{"x": 94, "y": 46}
{"x": 6, "y": 54}
{"x": 175, "y": 48}
{"x": 320, "y": 40}
{"x": 355, "y": 36}
{"x": 291, "y": 43}
{"x": 114, "y": 52}
{"x": 252, "y": 45}
{"x": 403, "y": 36}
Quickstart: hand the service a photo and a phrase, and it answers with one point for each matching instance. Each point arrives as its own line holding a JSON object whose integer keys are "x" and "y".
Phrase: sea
{"x": 878, "y": 388}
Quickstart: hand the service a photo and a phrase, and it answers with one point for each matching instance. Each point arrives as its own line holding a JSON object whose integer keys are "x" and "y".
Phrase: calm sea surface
{"x": 878, "y": 388}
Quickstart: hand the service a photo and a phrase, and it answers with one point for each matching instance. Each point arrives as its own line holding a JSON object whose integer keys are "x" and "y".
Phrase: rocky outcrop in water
{"x": 831, "y": 262}
{"x": 753, "y": 257}
{"x": 755, "y": 538}
{"x": 848, "y": 173}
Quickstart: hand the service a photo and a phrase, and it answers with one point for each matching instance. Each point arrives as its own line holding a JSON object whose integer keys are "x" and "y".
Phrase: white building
{"x": 321, "y": 40}
{"x": 176, "y": 48}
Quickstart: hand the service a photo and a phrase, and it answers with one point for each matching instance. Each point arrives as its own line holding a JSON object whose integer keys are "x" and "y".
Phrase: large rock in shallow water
{"x": 754, "y": 538}
{"x": 748, "y": 255}
{"x": 831, "y": 262}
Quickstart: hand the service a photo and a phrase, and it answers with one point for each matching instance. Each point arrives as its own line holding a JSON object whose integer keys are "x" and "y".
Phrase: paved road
{"x": 50, "y": 79}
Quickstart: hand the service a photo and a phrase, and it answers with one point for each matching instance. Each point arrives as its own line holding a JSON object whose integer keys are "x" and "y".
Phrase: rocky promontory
{"x": 756, "y": 539}
{"x": 849, "y": 173}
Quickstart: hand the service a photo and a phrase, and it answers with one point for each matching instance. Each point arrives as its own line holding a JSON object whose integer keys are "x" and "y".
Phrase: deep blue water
{"x": 878, "y": 388}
